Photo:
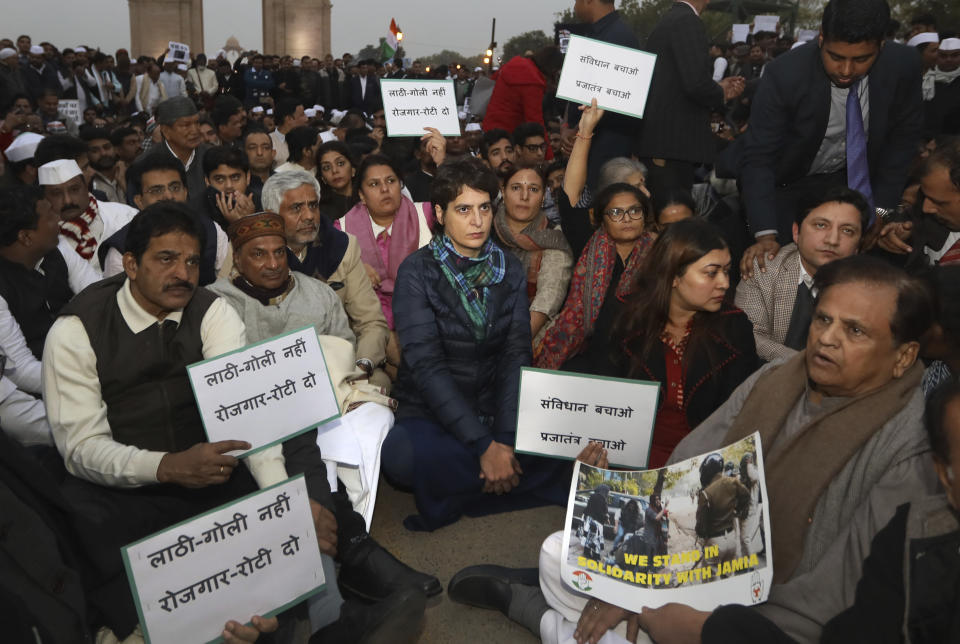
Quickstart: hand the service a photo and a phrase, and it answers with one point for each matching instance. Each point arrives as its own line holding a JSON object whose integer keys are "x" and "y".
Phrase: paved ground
{"x": 467, "y": 542}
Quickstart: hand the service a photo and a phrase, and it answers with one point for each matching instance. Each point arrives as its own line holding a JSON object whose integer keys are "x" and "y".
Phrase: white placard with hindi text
{"x": 765, "y": 23}
{"x": 179, "y": 52}
{"x": 559, "y": 413}
{"x": 265, "y": 392}
{"x": 70, "y": 109}
{"x": 740, "y": 33}
{"x": 412, "y": 105}
{"x": 618, "y": 77}
{"x": 255, "y": 556}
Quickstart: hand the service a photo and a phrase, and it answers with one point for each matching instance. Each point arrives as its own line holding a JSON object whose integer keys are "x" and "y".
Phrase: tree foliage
{"x": 522, "y": 43}
{"x": 370, "y": 51}
{"x": 450, "y": 57}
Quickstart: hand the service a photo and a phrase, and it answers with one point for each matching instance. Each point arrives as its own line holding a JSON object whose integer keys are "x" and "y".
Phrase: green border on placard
{"x": 412, "y": 81}
{"x": 607, "y": 109}
{"x": 569, "y": 374}
{"x": 256, "y": 344}
{"x": 133, "y": 583}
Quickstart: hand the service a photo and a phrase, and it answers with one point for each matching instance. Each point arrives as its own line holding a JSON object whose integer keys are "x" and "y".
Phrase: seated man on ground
{"x": 162, "y": 178}
{"x": 317, "y": 249}
{"x": 926, "y": 528}
{"x": 130, "y": 432}
{"x": 843, "y": 417}
{"x": 779, "y": 299}
{"x": 462, "y": 318}
{"x": 272, "y": 300}
{"x": 39, "y": 274}
{"x": 940, "y": 189}
{"x": 85, "y": 221}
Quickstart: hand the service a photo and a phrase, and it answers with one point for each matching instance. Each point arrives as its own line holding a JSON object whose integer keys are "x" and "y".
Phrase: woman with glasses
{"x": 676, "y": 327}
{"x": 388, "y": 227}
{"x": 463, "y": 321}
{"x": 521, "y": 227}
{"x": 336, "y": 170}
{"x": 575, "y": 202}
{"x": 603, "y": 277}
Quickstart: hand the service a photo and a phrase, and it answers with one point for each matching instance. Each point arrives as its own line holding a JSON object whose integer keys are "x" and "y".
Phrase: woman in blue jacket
{"x": 463, "y": 322}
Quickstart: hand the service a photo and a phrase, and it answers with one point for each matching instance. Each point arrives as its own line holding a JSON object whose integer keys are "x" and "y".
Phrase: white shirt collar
{"x": 193, "y": 155}
{"x": 135, "y": 316}
{"x": 805, "y": 277}
{"x": 689, "y": 5}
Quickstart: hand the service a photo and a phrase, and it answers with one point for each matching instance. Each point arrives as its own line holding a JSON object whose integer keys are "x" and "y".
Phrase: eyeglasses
{"x": 533, "y": 148}
{"x": 174, "y": 188}
{"x": 618, "y": 214}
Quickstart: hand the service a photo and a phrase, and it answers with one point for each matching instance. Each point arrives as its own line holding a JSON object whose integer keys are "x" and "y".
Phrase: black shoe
{"x": 373, "y": 574}
{"x": 395, "y": 620}
{"x": 489, "y": 586}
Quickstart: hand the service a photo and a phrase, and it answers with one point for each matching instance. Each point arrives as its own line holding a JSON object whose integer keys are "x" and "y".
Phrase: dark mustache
{"x": 178, "y": 284}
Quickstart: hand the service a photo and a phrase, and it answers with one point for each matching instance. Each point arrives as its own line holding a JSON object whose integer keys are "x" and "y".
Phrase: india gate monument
{"x": 295, "y": 27}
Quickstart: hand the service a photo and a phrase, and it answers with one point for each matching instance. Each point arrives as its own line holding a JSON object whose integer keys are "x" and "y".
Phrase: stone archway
{"x": 295, "y": 27}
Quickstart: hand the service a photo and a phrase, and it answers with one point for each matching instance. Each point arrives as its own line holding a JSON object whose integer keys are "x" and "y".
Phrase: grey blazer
{"x": 767, "y": 299}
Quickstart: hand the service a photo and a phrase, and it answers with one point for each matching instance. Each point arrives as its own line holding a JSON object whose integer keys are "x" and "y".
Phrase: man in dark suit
{"x": 365, "y": 88}
{"x": 616, "y": 135}
{"x": 675, "y": 134}
{"x": 803, "y": 132}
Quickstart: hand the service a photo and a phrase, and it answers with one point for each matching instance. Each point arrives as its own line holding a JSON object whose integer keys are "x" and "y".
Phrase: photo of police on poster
{"x": 696, "y": 532}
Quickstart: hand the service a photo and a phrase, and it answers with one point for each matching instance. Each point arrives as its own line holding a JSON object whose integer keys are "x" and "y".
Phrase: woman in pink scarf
{"x": 388, "y": 228}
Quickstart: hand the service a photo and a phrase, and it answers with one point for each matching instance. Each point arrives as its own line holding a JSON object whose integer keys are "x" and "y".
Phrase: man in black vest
{"x": 129, "y": 430}
{"x": 38, "y": 276}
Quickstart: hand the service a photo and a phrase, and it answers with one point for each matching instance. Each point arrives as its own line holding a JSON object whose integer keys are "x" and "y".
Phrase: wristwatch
{"x": 883, "y": 213}
{"x": 366, "y": 365}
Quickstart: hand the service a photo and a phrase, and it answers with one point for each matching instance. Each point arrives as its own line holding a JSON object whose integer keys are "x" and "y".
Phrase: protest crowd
{"x": 776, "y": 243}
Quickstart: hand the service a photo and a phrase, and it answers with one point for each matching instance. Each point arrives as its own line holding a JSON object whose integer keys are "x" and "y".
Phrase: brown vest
{"x": 143, "y": 376}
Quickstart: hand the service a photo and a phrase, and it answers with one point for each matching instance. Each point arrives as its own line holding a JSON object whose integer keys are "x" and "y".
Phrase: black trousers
{"x": 673, "y": 176}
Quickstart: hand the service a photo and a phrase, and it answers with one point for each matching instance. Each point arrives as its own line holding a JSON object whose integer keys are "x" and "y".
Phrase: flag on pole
{"x": 391, "y": 43}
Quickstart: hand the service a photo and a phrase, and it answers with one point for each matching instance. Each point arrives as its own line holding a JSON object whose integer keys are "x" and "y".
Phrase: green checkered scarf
{"x": 471, "y": 277}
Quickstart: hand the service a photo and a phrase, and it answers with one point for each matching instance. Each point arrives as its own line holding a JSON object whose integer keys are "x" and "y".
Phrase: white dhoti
{"x": 566, "y": 603}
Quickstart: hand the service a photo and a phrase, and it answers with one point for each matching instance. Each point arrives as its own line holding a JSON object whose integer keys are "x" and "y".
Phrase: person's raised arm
{"x": 575, "y": 175}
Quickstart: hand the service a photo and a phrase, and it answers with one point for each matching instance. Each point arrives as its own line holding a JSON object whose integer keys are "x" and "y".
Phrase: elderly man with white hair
{"x": 317, "y": 249}
{"x": 84, "y": 220}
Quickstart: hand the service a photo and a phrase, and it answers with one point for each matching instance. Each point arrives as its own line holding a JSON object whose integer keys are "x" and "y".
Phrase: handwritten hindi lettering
{"x": 223, "y": 565}
{"x": 412, "y": 105}
{"x": 267, "y": 392}
{"x": 560, "y": 413}
{"x": 618, "y": 78}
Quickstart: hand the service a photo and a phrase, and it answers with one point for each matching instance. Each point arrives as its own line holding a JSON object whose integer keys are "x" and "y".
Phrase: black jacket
{"x": 446, "y": 375}
{"x": 789, "y": 117}
{"x": 676, "y": 120}
{"x": 714, "y": 369}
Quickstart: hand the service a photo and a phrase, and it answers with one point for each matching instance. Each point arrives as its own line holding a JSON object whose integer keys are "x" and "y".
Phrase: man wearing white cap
{"x": 943, "y": 109}
{"x": 84, "y": 221}
{"x": 20, "y": 167}
{"x": 927, "y": 43}
{"x": 38, "y": 76}
{"x": 11, "y": 78}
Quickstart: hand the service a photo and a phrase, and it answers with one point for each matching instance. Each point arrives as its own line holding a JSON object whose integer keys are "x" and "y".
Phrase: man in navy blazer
{"x": 365, "y": 88}
{"x": 795, "y": 143}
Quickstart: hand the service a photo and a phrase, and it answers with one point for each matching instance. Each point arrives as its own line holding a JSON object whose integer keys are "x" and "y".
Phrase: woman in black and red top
{"x": 678, "y": 329}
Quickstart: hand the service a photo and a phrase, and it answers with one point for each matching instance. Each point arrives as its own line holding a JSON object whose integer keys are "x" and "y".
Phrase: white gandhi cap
{"x": 57, "y": 172}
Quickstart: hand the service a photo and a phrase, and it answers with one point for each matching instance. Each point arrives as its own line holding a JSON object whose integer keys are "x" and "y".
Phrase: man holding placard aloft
{"x": 130, "y": 431}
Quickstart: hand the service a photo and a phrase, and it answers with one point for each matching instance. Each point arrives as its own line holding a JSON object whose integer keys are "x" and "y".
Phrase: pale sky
{"x": 428, "y": 26}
